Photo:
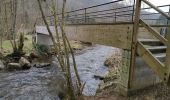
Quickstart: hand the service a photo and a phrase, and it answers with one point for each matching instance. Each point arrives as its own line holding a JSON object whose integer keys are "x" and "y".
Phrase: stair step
{"x": 160, "y": 56}
{"x": 156, "y": 49}
{"x": 148, "y": 40}
{"x": 151, "y": 42}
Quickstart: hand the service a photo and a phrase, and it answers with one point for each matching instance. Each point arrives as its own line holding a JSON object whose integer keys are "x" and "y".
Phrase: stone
{"x": 100, "y": 75}
{"x": 42, "y": 65}
{"x": 103, "y": 85}
{"x": 59, "y": 84}
{"x": 27, "y": 56}
{"x": 14, "y": 66}
{"x": 54, "y": 63}
{"x": 1, "y": 55}
{"x": 1, "y": 65}
{"x": 25, "y": 64}
{"x": 107, "y": 62}
{"x": 34, "y": 55}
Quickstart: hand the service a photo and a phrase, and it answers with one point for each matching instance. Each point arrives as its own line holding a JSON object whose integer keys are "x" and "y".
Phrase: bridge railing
{"x": 109, "y": 13}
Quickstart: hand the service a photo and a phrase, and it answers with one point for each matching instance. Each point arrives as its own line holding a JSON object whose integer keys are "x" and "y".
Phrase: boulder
{"x": 25, "y": 64}
{"x": 1, "y": 65}
{"x": 28, "y": 57}
{"x": 14, "y": 66}
{"x": 59, "y": 84}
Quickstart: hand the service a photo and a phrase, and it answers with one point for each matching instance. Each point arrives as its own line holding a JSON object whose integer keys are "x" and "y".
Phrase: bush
{"x": 41, "y": 49}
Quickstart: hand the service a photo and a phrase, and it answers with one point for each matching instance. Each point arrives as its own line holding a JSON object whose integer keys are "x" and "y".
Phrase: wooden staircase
{"x": 155, "y": 47}
{"x": 155, "y": 52}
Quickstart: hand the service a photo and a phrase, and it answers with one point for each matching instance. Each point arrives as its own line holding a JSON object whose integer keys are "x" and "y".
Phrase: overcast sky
{"x": 158, "y": 3}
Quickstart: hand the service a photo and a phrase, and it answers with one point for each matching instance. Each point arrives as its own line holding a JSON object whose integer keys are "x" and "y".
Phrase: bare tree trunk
{"x": 64, "y": 60}
{"x": 69, "y": 79}
{"x": 23, "y": 19}
{"x": 13, "y": 32}
{"x": 68, "y": 43}
{"x": 1, "y": 32}
{"x": 46, "y": 23}
{"x": 60, "y": 56}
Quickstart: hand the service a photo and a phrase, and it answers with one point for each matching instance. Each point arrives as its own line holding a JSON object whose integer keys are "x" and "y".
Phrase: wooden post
{"x": 124, "y": 72}
{"x": 125, "y": 67}
{"x": 134, "y": 42}
{"x": 168, "y": 51}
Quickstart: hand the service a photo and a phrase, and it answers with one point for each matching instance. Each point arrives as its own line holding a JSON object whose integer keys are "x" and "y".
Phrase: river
{"x": 41, "y": 83}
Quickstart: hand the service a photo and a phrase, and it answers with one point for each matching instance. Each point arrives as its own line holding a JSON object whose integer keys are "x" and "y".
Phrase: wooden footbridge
{"x": 146, "y": 52}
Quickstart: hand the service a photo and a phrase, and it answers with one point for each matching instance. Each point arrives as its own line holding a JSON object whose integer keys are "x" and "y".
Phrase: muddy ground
{"x": 156, "y": 92}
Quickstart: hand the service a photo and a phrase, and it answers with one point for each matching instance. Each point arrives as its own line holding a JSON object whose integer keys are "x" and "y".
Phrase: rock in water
{"x": 107, "y": 62}
{"x": 25, "y": 64}
{"x": 1, "y": 65}
{"x": 41, "y": 65}
{"x": 14, "y": 66}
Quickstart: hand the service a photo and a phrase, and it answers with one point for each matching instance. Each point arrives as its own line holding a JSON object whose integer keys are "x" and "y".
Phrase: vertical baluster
{"x": 115, "y": 17}
{"x": 85, "y": 16}
{"x": 133, "y": 13}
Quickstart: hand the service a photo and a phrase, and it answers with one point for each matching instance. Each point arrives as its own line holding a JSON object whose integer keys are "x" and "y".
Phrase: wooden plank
{"x": 160, "y": 55}
{"x": 153, "y": 62}
{"x": 157, "y": 9}
{"x": 125, "y": 67}
{"x": 158, "y": 25}
{"x": 167, "y": 63}
{"x": 134, "y": 42}
{"x": 155, "y": 33}
{"x": 156, "y": 47}
{"x": 100, "y": 23}
{"x": 148, "y": 40}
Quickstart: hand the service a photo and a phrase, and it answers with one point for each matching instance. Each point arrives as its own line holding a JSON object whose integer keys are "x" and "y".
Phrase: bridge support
{"x": 143, "y": 77}
{"x": 136, "y": 72}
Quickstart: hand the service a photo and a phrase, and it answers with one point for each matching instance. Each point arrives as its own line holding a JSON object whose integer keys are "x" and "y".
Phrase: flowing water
{"x": 42, "y": 83}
